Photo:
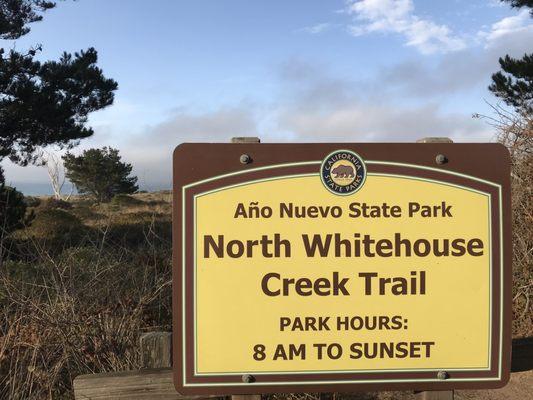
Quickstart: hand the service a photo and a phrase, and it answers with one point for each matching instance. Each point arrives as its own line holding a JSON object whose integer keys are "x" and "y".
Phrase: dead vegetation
{"x": 80, "y": 284}
{"x": 73, "y": 304}
{"x": 515, "y": 131}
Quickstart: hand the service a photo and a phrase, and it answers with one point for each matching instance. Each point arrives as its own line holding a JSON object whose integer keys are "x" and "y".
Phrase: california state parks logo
{"x": 343, "y": 172}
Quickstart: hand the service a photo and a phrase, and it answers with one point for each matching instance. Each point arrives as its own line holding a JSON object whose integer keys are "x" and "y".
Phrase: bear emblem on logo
{"x": 343, "y": 172}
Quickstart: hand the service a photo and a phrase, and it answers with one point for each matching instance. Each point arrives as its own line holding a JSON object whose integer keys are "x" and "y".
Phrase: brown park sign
{"x": 341, "y": 267}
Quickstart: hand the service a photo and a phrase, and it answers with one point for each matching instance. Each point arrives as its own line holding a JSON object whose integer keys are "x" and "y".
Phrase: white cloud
{"x": 312, "y": 105}
{"x": 458, "y": 72}
{"x": 316, "y": 29}
{"x": 362, "y": 122}
{"x": 520, "y": 23}
{"x": 320, "y": 107}
{"x": 150, "y": 151}
{"x": 397, "y": 16}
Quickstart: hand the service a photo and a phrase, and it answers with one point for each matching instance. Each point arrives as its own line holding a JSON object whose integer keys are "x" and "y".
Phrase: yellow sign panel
{"x": 290, "y": 277}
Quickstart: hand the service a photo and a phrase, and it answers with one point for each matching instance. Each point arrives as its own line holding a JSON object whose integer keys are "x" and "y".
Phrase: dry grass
{"x": 516, "y": 133}
{"x": 77, "y": 304}
{"x": 79, "y": 307}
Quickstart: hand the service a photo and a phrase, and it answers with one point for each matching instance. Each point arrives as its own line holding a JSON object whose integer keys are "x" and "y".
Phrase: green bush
{"x": 100, "y": 173}
{"x": 55, "y": 223}
{"x": 12, "y": 209}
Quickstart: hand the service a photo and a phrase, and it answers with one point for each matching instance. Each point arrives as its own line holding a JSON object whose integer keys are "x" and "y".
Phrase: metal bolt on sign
{"x": 441, "y": 159}
{"x": 247, "y": 378}
{"x": 442, "y": 375}
{"x": 245, "y": 159}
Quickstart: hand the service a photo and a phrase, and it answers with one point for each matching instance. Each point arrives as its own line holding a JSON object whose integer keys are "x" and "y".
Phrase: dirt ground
{"x": 520, "y": 387}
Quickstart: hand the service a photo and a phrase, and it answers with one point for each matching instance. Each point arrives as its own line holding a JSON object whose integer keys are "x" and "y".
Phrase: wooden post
{"x": 435, "y": 140}
{"x": 245, "y": 139}
{"x": 435, "y": 394}
{"x": 246, "y": 397}
{"x": 156, "y": 350}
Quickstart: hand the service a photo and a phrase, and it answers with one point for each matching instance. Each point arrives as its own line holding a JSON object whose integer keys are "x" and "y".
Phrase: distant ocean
{"x": 44, "y": 189}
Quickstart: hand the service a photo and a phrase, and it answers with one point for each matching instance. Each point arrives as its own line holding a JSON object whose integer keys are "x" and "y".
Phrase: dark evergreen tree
{"x": 48, "y": 103}
{"x": 12, "y": 209}
{"x": 43, "y": 103}
{"x": 514, "y": 83}
{"x": 100, "y": 173}
{"x": 520, "y": 3}
{"x": 15, "y": 15}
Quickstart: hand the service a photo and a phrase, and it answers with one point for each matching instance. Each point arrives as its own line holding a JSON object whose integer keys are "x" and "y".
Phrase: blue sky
{"x": 361, "y": 70}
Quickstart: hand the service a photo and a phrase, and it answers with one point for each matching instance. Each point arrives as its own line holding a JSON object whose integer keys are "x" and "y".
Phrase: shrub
{"x": 78, "y": 312}
{"x": 100, "y": 173}
{"x": 515, "y": 131}
{"x": 85, "y": 213}
{"x": 55, "y": 223}
{"x": 52, "y": 202}
{"x": 133, "y": 229}
{"x": 32, "y": 201}
{"x": 12, "y": 209}
{"x": 125, "y": 200}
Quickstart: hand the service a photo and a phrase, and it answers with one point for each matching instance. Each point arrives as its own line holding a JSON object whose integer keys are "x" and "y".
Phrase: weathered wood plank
{"x": 144, "y": 384}
{"x": 435, "y": 140}
{"x": 156, "y": 350}
{"x": 245, "y": 139}
{"x": 522, "y": 355}
{"x": 246, "y": 397}
{"x": 435, "y": 395}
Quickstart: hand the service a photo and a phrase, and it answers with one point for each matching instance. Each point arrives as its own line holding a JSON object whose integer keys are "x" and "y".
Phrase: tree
{"x": 520, "y": 3}
{"x": 514, "y": 84}
{"x": 48, "y": 103}
{"x": 12, "y": 210}
{"x": 15, "y": 15}
{"x": 43, "y": 103}
{"x": 100, "y": 173}
{"x": 56, "y": 172}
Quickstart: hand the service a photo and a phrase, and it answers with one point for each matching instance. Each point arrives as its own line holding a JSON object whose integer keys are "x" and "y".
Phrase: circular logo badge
{"x": 343, "y": 172}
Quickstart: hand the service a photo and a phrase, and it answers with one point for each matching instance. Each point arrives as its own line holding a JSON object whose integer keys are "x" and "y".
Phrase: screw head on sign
{"x": 441, "y": 159}
{"x": 442, "y": 375}
{"x": 247, "y": 378}
{"x": 245, "y": 159}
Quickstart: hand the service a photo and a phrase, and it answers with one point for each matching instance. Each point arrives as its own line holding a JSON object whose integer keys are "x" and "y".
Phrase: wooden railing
{"x": 154, "y": 380}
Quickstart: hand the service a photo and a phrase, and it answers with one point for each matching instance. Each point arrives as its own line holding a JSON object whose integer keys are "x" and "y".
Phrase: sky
{"x": 286, "y": 71}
